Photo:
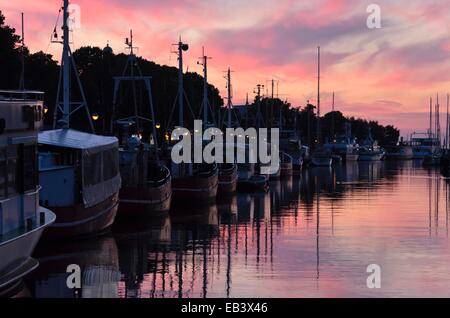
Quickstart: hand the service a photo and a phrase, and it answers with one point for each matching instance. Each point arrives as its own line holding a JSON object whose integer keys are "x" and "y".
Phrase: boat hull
{"x": 227, "y": 181}
{"x": 370, "y": 157}
{"x": 321, "y": 161}
{"x": 195, "y": 189}
{"x": 74, "y": 221}
{"x": 15, "y": 260}
{"x": 135, "y": 201}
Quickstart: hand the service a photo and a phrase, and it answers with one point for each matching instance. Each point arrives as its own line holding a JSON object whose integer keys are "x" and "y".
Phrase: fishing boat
{"x": 423, "y": 144}
{"x": 370, "y": 150}
{"x": 146, "y": 181}
{"x": 78, "y": 171}
{"x": 80, "y": 179}
{"x": 22, "y": 220}
{"x": 192, "y": 183}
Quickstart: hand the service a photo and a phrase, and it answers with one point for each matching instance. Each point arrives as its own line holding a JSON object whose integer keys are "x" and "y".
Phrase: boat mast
{"x": 180, "y": 83}
{"x": 67, "y": 62}
{"x": 446, "y": 126}
{"x": 430, "y": 134}
{"x": 437, "y": 123}
{"x": 22, "y": 58}
{"x": 332, "y": 117}
{"x": 204, "y": 62}
{"x": 65, "y": 66}
{"x": 229, "y": 97}
{"x": 318, "y": 95}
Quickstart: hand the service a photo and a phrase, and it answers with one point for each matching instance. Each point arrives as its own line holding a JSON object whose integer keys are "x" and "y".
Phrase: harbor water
{"x": 312, "y": 235}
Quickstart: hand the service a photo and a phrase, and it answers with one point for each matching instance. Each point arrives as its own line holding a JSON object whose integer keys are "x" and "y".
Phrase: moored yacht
{"x": 22, "y": 220}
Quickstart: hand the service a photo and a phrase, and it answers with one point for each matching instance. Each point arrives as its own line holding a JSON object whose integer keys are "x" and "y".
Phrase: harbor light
{"x": 95, "y": 116}
{"x": 45, "y": 110}
{"x": 158, "y": 125}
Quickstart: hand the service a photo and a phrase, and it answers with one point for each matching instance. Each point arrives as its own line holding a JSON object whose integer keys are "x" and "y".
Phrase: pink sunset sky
{"x": 385, "y": 74}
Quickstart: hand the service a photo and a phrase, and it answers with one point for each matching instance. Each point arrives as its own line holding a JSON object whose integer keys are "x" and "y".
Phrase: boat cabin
{"x": 77, "y": 168}
{"x": 21, "y": 114}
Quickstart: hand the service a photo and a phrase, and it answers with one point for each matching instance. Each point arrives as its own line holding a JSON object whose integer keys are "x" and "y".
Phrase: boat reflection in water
{"x": 309, "y": 236}
{"x": 98, "y": 261}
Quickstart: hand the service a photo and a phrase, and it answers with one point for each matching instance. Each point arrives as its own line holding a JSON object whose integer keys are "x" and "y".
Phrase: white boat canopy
{"x": 100, "y": 177}
{"x": 69, "y": 138}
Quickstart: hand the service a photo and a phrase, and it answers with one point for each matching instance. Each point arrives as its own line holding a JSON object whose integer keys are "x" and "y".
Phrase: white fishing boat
{"x": 22, "y": 220}
{"x": 78, "y": 171}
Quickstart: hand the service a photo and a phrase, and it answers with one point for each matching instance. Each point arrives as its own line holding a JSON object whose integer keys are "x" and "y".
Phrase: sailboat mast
{"x": 66, "y": 67}
{"x": 318, "y": 94}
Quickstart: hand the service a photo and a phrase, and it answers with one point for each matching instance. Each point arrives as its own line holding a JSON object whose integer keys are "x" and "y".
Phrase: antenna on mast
{"x": 67, "y": 64}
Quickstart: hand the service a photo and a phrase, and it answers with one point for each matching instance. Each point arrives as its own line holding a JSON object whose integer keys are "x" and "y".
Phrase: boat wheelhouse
{"x": 423, "y": 144}
{"x": 22, "y": 220}
{"x": 79, "y": 174}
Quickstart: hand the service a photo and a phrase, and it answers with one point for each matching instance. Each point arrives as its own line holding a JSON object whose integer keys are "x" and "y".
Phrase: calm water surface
{"x": 310, "y": 236}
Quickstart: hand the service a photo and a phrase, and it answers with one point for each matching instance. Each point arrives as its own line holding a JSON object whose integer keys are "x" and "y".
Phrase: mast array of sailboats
{"x": 78, "y": 171}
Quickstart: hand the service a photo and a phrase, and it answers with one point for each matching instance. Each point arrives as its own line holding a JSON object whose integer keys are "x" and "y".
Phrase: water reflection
{"x": 310, "y": 235}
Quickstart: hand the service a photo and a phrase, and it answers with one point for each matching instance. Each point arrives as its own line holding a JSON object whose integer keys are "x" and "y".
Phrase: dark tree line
{"x": 97, "y": 67}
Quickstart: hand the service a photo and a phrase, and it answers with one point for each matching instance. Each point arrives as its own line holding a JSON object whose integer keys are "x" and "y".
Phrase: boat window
{"x": 30, "y": 168}
{"x": 11, "y": 170}
{"x": 2, "y": 174}
{"x": 110, "y": 164}
{"x": 92, "y": 169}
